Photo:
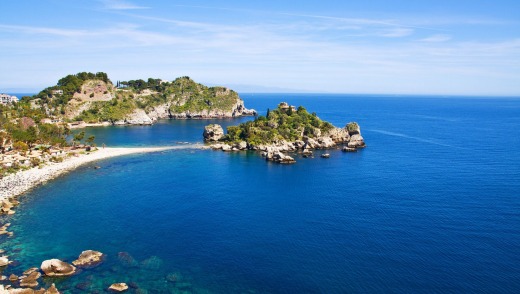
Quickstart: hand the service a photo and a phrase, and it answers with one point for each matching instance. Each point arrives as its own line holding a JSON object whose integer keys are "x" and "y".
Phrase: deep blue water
{"x": 430, "y": 206}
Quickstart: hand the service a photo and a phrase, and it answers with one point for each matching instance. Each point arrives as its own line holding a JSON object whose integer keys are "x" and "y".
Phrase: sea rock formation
{"x": 89, "y": 258}
{"x": 285, "y": 129}
{"x": 213, "y": 133}
{"x": 57, "y": 268}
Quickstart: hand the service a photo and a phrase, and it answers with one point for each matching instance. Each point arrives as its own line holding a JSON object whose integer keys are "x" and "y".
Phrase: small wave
{"x": 424, "y": 140}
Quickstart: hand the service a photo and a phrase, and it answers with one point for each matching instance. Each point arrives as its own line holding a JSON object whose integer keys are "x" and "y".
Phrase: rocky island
{"x": 284, "y": 129}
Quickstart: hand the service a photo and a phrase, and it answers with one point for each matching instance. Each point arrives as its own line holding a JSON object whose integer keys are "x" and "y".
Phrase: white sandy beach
{"x": 20, "y": 182}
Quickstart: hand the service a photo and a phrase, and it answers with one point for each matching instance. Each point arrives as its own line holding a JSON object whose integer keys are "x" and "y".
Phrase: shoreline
{"x": 16, "y": 184}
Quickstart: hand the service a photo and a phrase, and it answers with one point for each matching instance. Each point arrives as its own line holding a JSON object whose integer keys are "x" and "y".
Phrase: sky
{"x": 440, "y": 47}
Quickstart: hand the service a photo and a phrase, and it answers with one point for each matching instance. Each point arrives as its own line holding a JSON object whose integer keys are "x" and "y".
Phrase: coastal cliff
{"x": 284, "y": 129}
{"x": 92, "y": 99}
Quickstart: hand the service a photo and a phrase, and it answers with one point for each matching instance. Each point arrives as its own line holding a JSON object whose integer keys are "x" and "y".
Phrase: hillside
{"x": 93, "y": 98}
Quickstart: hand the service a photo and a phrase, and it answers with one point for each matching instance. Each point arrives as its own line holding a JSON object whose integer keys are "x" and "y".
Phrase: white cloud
{"x": 120, "y": 5}
{"x": 439, "y": 38}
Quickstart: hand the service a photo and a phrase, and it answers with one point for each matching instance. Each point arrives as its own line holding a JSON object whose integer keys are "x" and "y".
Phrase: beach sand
{"x": 20, "y": 182}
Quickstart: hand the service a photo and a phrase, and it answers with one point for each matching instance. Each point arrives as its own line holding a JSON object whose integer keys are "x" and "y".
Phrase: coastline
{"x": 16, "y": 184}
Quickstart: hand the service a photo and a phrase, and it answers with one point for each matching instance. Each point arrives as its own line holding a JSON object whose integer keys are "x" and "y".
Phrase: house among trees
{"x": 57, "y": 92}
{"x": 6, "y": 99}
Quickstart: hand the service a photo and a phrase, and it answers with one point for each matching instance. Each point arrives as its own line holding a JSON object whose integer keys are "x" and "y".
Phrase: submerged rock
{"x": 152, "y": 263}
{"x": 89, "y": 258}
{"x": 118, "y": 287}
{"x": 57, "y": 268}
{"x": 127, "y": 260}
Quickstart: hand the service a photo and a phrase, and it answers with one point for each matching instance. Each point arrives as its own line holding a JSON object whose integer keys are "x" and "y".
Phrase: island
{"x": 284, "y": 129}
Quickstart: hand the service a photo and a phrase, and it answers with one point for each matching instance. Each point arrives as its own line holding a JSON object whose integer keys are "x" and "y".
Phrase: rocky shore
{"x": 348, "y": 138}
{"x": 20, "y": 182}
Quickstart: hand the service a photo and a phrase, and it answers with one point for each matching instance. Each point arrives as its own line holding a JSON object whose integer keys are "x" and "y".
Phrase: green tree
{"x": 90, "y": 140}
{"x": 78, "y": 137}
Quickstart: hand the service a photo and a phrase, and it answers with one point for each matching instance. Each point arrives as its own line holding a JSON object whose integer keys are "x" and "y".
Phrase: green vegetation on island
{"x": 283, "y": 123}
{"x": 93, "y": 98}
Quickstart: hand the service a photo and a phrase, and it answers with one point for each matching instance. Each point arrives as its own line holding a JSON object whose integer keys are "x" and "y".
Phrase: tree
{"x": 90, "y": 140}
{"x": 78, "y": 137}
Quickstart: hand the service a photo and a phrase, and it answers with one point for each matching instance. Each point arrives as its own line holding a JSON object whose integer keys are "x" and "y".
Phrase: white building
{"x": 57, "y": 92}
{"x": 6, "y": 99}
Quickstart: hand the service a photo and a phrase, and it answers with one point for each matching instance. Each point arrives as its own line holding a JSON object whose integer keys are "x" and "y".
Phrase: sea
{"x": 431, "y": 205}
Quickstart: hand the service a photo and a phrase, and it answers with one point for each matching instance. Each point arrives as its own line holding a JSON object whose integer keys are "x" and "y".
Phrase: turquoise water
{"x": 431, "y": 205}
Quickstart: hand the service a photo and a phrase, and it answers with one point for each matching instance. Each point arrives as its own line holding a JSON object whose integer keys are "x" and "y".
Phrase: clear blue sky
{"x": 411, "y": 47}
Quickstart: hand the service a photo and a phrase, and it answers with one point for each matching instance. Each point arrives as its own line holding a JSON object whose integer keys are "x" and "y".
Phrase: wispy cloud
{"x": 120, "y": 5}
{"x": 438, "y": 38}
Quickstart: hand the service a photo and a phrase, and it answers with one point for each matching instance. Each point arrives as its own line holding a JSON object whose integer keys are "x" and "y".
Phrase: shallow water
{"x": 431, "y": 205}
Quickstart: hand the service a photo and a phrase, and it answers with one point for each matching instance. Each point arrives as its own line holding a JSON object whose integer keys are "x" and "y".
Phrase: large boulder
{"x": 356, "y": 141}
{"x": 57, "y": 268}
{"x": 89, "y": 258}
{"x": 279, "y": 157}
{"x": 213, "y": 132}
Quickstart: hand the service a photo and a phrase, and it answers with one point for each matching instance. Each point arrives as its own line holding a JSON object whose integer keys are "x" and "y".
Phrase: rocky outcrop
{"x": 213, "y": 133}
{"x": 57, "y": 268}
{"x": 89, "y": 258}
{"x": 356, "y": 140}
{"x": 118, "y": 287}
{"x": 349, "y": 137}
{"x": 279, "y": 157}
{"x": 138, "y": 117}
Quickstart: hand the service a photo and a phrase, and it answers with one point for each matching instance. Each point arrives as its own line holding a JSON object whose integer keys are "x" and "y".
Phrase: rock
{"x": 57, "y": 268}
{"x": 353, "y": 128}
{"x": 30, "y": 271}
{"x": 349, "y": 149}
{"x": 152, "y": 263}
{"x": 213, "y": 132}
{"x": 339, "y": 135}
{"x": 242, "y": 145}
{"x": 226, "y": 147}
{"x": 13, "y": 278}
{"x": 89, "y": 258}
{"x": 279, "y": 157}
{"x": 118, "y": 287}
{"x": 356, "y": 141}
{"x": 127, "y": 260}
{"x": 30, "y": 280}
{"x": 4, "y": 260}
{"x": 325, "y": 142}
{"x": 20, "y": 291}
{"x": 52, "y": 290}
{"x": 325, "y": 155}
{"x": 138, "y": 117}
